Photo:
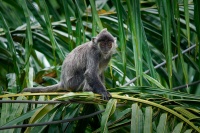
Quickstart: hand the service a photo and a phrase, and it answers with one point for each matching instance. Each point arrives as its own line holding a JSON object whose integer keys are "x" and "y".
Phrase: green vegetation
{"x": 158, "y": 53}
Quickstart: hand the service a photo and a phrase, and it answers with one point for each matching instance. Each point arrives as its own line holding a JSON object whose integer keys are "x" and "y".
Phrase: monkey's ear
{"x": 94, "y": 39}
{"x": 115, "y": 42}
{"x": 115, "y": 39}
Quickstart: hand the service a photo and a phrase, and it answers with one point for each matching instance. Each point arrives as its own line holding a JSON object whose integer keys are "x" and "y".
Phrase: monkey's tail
{"x": 52, "y": 88}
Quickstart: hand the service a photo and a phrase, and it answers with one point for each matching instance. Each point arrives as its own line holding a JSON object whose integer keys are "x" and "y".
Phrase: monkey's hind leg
{"x": 87, "y": 87}
{"x": 73, "y": 84}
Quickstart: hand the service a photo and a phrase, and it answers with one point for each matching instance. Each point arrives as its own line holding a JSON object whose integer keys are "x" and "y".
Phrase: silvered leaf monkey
{"x": 83, "y": 68}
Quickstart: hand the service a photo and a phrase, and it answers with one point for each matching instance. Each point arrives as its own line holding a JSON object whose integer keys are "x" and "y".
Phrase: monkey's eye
{"x": 102, "y": 44}
{"x": 110, "y": 44}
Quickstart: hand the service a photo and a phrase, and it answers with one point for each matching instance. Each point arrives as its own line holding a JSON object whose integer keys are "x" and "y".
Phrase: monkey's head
{"x": 106, "y": 42}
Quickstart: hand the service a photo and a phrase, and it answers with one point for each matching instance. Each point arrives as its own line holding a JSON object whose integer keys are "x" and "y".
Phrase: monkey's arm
{"x": 102, "y": 77}
{"x": 93, "y": 79}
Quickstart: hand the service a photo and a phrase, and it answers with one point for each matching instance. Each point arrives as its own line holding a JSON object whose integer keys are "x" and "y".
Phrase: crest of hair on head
{"x": 105, "y": 36}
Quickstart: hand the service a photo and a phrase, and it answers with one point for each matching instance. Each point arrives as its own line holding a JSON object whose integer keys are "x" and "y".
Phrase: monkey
{"x": 83, "y": 68}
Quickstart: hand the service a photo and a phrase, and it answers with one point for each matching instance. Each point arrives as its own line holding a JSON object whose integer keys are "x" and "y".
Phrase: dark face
{"x": 105, "y": 46}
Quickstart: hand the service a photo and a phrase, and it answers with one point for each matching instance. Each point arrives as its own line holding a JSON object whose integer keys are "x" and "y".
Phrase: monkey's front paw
{"x": 106, "y": 95}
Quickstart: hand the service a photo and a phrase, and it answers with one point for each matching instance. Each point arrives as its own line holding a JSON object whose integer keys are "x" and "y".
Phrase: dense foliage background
{"x": 153, "y": 78}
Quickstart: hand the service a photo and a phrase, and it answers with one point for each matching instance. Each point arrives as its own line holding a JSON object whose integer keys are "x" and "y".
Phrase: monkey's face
{"x": 105, "y": 46}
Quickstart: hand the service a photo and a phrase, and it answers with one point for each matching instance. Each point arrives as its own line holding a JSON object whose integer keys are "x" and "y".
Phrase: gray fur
{"x": 83, "y": 68}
